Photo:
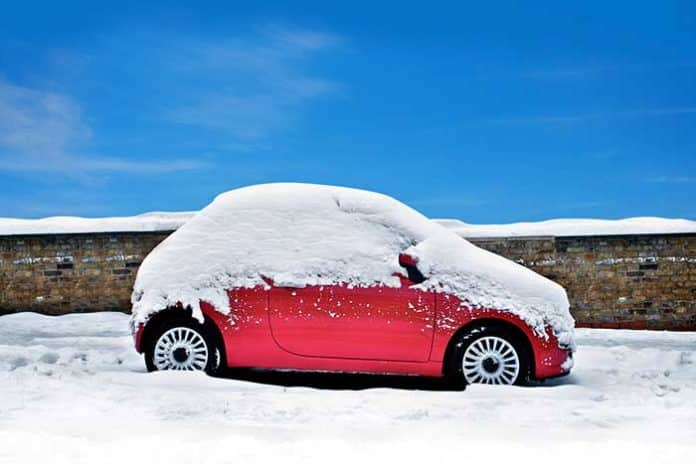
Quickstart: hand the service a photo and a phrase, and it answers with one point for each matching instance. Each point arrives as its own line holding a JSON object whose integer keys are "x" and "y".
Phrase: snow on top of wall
{"x": 166, "y": 221}
{"x": 572, "y": 227}
{"x": 300, "y": 234}
{"x": 148, "y": 222}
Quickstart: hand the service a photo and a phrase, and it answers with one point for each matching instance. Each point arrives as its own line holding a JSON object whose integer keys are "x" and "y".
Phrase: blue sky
{"x": 483, "y": 111}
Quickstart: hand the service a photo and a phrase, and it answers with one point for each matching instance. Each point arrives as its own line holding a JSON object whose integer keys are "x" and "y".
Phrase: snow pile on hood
{"x": 572, "y": 227}
{"x": 148, "y": 222}
{"x": 299, "y": 234}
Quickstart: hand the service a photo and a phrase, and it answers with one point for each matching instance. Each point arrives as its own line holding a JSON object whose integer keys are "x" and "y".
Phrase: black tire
{"x": 454, "y": 371}
{"x": 215, "y": 350}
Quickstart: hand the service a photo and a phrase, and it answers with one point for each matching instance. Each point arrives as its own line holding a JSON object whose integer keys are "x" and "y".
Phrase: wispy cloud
{"x": 247, "y": 89}
{"x": 77, "y": 164}
{"x": 230, "y": 94}
{"x": 38, "y": 121}
{"x": 43, "y": 131}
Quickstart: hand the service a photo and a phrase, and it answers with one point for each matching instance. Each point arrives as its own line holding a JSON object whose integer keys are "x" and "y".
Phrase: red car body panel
{"x": 249, "y": 341}
{"x": 339, "y": 328}
{"x": 453, "y": 314}
{"x": 371, "y": 323}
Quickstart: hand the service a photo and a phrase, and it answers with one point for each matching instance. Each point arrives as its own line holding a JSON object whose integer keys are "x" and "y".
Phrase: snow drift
{"x": 298, "y": 235}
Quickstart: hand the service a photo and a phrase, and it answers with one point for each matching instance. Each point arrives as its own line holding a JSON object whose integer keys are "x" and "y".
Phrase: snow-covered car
{"x": 313, "y": 277}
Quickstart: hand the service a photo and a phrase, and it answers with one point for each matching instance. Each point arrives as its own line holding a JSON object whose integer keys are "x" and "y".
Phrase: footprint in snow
{"x": 662, "y": 389}
{"x": 685, "y": 358}
{"x": 18, "y": 362}
{"x": 414, "y": 415}
{"x": 81, "y": 357}
{"x": 49, "y": 358}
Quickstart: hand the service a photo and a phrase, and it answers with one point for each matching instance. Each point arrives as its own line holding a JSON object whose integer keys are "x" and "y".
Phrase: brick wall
{"x": 65, "y": 273}
{"x": 633, "y": 281}
{"x": 627, "y": 281}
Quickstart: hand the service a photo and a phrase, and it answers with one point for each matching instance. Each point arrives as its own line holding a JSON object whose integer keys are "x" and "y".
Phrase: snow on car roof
{"x": 303, "y": 234}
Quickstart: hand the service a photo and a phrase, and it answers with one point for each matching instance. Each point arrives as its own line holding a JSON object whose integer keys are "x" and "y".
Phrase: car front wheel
{"x": 490, "y": 355}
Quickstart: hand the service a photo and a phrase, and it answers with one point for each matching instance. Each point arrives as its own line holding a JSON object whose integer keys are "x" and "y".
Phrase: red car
{"x": 304, "y": 277}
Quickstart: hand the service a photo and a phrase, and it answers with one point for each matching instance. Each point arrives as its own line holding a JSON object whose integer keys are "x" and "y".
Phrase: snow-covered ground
{"x": 73, "y": 390}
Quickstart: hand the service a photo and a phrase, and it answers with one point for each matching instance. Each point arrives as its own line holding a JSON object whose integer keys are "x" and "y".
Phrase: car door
{"x": 339, "y": 321}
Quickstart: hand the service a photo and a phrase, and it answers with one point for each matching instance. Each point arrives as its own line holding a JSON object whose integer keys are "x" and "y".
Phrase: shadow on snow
{"x": 342, "y": 381}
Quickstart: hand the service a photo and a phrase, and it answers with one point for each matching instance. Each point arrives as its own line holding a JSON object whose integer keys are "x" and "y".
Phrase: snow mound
{"x": 572, "y": 227}
{"x": 148, "y": 222}
{"x": 300, "y": 234}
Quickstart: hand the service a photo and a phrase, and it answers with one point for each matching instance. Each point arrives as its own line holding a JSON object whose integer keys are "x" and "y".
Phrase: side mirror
{"x": 407, "y": 260}
{"x": 410, "y": 263}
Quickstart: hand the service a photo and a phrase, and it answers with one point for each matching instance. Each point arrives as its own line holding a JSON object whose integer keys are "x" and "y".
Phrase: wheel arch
{"x": 508, "y": 326}
{"x": 177, "y": 312}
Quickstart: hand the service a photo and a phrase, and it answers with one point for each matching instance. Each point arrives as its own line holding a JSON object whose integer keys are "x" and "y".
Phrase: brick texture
{"x": 627, "y": 281}
{"x": 59, "y": 274}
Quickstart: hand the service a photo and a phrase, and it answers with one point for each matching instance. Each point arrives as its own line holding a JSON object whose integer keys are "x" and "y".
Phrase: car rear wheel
{"x": 490, "y": 355}
{"x": 182, "y": 345}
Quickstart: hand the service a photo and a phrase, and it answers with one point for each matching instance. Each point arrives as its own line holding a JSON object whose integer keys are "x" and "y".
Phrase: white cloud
{"x": 250, "y": 88}
{"x": 241, "y": 90}
{"x": 41, "y": 131}
{"x": 38, "y": 121}
{"x": 301, "y": 39}
{"x": 76, "y": 164}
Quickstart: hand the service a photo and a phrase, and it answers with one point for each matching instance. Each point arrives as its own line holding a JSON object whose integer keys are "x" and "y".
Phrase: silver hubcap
{"x": 181, "y": 349}
{"x": 491, "y": 360}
